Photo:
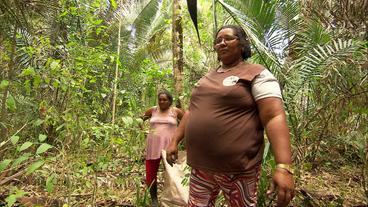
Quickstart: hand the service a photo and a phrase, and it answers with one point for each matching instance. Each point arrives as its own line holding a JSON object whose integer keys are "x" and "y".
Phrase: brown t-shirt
{"x": 224, "y": 132}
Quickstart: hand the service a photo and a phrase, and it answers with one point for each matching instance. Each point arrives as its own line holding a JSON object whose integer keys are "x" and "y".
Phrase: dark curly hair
{"x": 168, "y": 94}
{"x": 243, "y": 39}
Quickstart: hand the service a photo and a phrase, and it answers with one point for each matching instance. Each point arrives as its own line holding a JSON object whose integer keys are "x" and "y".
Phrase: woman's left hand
{"x": 283, "y": 185}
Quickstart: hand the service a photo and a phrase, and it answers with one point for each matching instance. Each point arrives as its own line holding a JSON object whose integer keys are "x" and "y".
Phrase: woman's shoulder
{"x": 250, "y": 70}
{"x": 151, "y": 110}
{"x": 253, "y": 66}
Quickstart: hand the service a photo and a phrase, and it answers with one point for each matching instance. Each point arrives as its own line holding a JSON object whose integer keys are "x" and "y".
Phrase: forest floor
{"x": 120, "y": 182}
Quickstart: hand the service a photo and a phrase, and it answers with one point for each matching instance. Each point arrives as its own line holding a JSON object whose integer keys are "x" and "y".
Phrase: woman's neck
{"x": 164, "y": 110}
{"x": 231, "y": 65}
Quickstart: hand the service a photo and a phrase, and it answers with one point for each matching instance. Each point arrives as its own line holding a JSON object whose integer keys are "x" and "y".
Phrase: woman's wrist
{"x": 286, "y": 167}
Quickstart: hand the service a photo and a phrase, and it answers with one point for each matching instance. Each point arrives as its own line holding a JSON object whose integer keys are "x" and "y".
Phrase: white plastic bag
{"x": 174, "y": 192}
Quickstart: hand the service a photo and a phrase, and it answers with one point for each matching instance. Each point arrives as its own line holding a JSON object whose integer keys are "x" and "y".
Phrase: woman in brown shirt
{"x": 229, "y": 109}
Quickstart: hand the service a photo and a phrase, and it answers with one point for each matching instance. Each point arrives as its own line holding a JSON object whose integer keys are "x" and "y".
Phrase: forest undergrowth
{"x": 113, "y": 176}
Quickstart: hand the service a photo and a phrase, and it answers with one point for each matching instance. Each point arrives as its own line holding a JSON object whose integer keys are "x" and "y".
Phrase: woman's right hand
{"x": 172, "y": 153}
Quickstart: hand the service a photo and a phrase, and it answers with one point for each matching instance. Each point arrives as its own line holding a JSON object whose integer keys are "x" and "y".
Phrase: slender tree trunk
{"x": 7, "y": 75}
{"x": 116, "y": 77}
{"x": 177, "y": 48}
{"x": 214, "y": 13}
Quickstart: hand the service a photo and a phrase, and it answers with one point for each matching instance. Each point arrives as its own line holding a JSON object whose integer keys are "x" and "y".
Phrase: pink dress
{"x": 162, "y": 128}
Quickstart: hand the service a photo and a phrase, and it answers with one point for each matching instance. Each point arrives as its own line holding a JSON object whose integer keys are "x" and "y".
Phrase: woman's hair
{"x": 168, "y": 94}
{"x": 243, "y": 39}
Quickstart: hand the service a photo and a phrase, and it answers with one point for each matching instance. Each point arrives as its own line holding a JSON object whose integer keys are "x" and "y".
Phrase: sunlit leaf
{"x": 54, "y": 65}
{"x": 4, "y": 84}
{"x": 21, "y": 159}
{"x": 4, "y": 164}
{"x": 43, "y": 148}
{"x": 113, "y": 4}
{"x": 14, "y": 139}
{"x": 25, "y": 146}
{"x": 10, "y": 103}
{"x": 11, "y": 199}
{"x": 42, "y": 137}
{"x": 28, "y": 72}
{"x": 34, "y": 166}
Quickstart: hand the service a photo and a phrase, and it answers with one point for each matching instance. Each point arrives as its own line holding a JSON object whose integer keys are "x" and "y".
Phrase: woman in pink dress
{"x": 163, "y": 123}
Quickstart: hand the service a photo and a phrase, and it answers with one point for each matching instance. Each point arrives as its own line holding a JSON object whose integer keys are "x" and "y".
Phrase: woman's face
{"x": 163, "y": 101}
{"x": 227, "y": 46}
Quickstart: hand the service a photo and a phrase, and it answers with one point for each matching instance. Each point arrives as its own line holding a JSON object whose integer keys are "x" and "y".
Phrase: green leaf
{"x": 113, "y": 4}
{"x": 14, "y": 139}
{"x": 25, "y": 146}
{"x": 50, "y": 183}
{"x": 28, "y": 72}
{"x": 10, "y": 103}
{"x": 59, "y": 127}
{"x": 38, "y": 122}
{"x": 128, "y": 121}
{"x": 55, "y": 83}
{"x": 4, "y": 164}
{"x": 21, "y": 159}
{"x": 54, "y": 65}
{"x": 4, "y": 84}
{"x": 43, "y": 148}
{"x": 10, "y": 200}
{"x": 42, "y": 137}
{"x": 34, "y": 166}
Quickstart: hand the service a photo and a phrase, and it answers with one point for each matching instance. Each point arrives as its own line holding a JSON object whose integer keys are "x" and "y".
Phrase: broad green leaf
{"x": 4, "y": 84}
{"x": 34, "y": 167}
{"x": 97, "y": 22}
{"x": 43, "y": 148}
{"x": 10, "y": 200}
{"x": 10, "y": 103}
{"x": 50, "y": 183}
{"x": 55, "y": 83}
{"x": 28, "y": 72}
{"x": 42, "y": 137}
{"x": 14, "y": 139}
{"x": 25, "y": 146}
{"x": 54, "y": 65}
{"x": 4, "y": 164}
{"x": 21, "y": 159}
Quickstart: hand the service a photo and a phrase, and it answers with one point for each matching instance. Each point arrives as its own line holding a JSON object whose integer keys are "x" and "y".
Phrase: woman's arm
{"x": 147, "y": 114}
{"x": 273, "y": 118}
{"x": 179, "y": 113}
{"x": 172, "y": 150}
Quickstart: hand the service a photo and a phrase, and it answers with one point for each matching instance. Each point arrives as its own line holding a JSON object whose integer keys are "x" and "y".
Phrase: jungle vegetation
{"x": 75, "y": 75}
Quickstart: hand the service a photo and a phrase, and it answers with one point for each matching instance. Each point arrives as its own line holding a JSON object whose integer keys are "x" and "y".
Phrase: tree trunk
{"x": 177, "y": 48}
{"x": 116, "y": 76}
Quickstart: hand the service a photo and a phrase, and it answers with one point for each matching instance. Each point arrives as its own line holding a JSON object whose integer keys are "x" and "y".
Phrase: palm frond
{"x": 250, "y": 27}
{"x": 144, "y": 24}
{"x": 311, "y": 66}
